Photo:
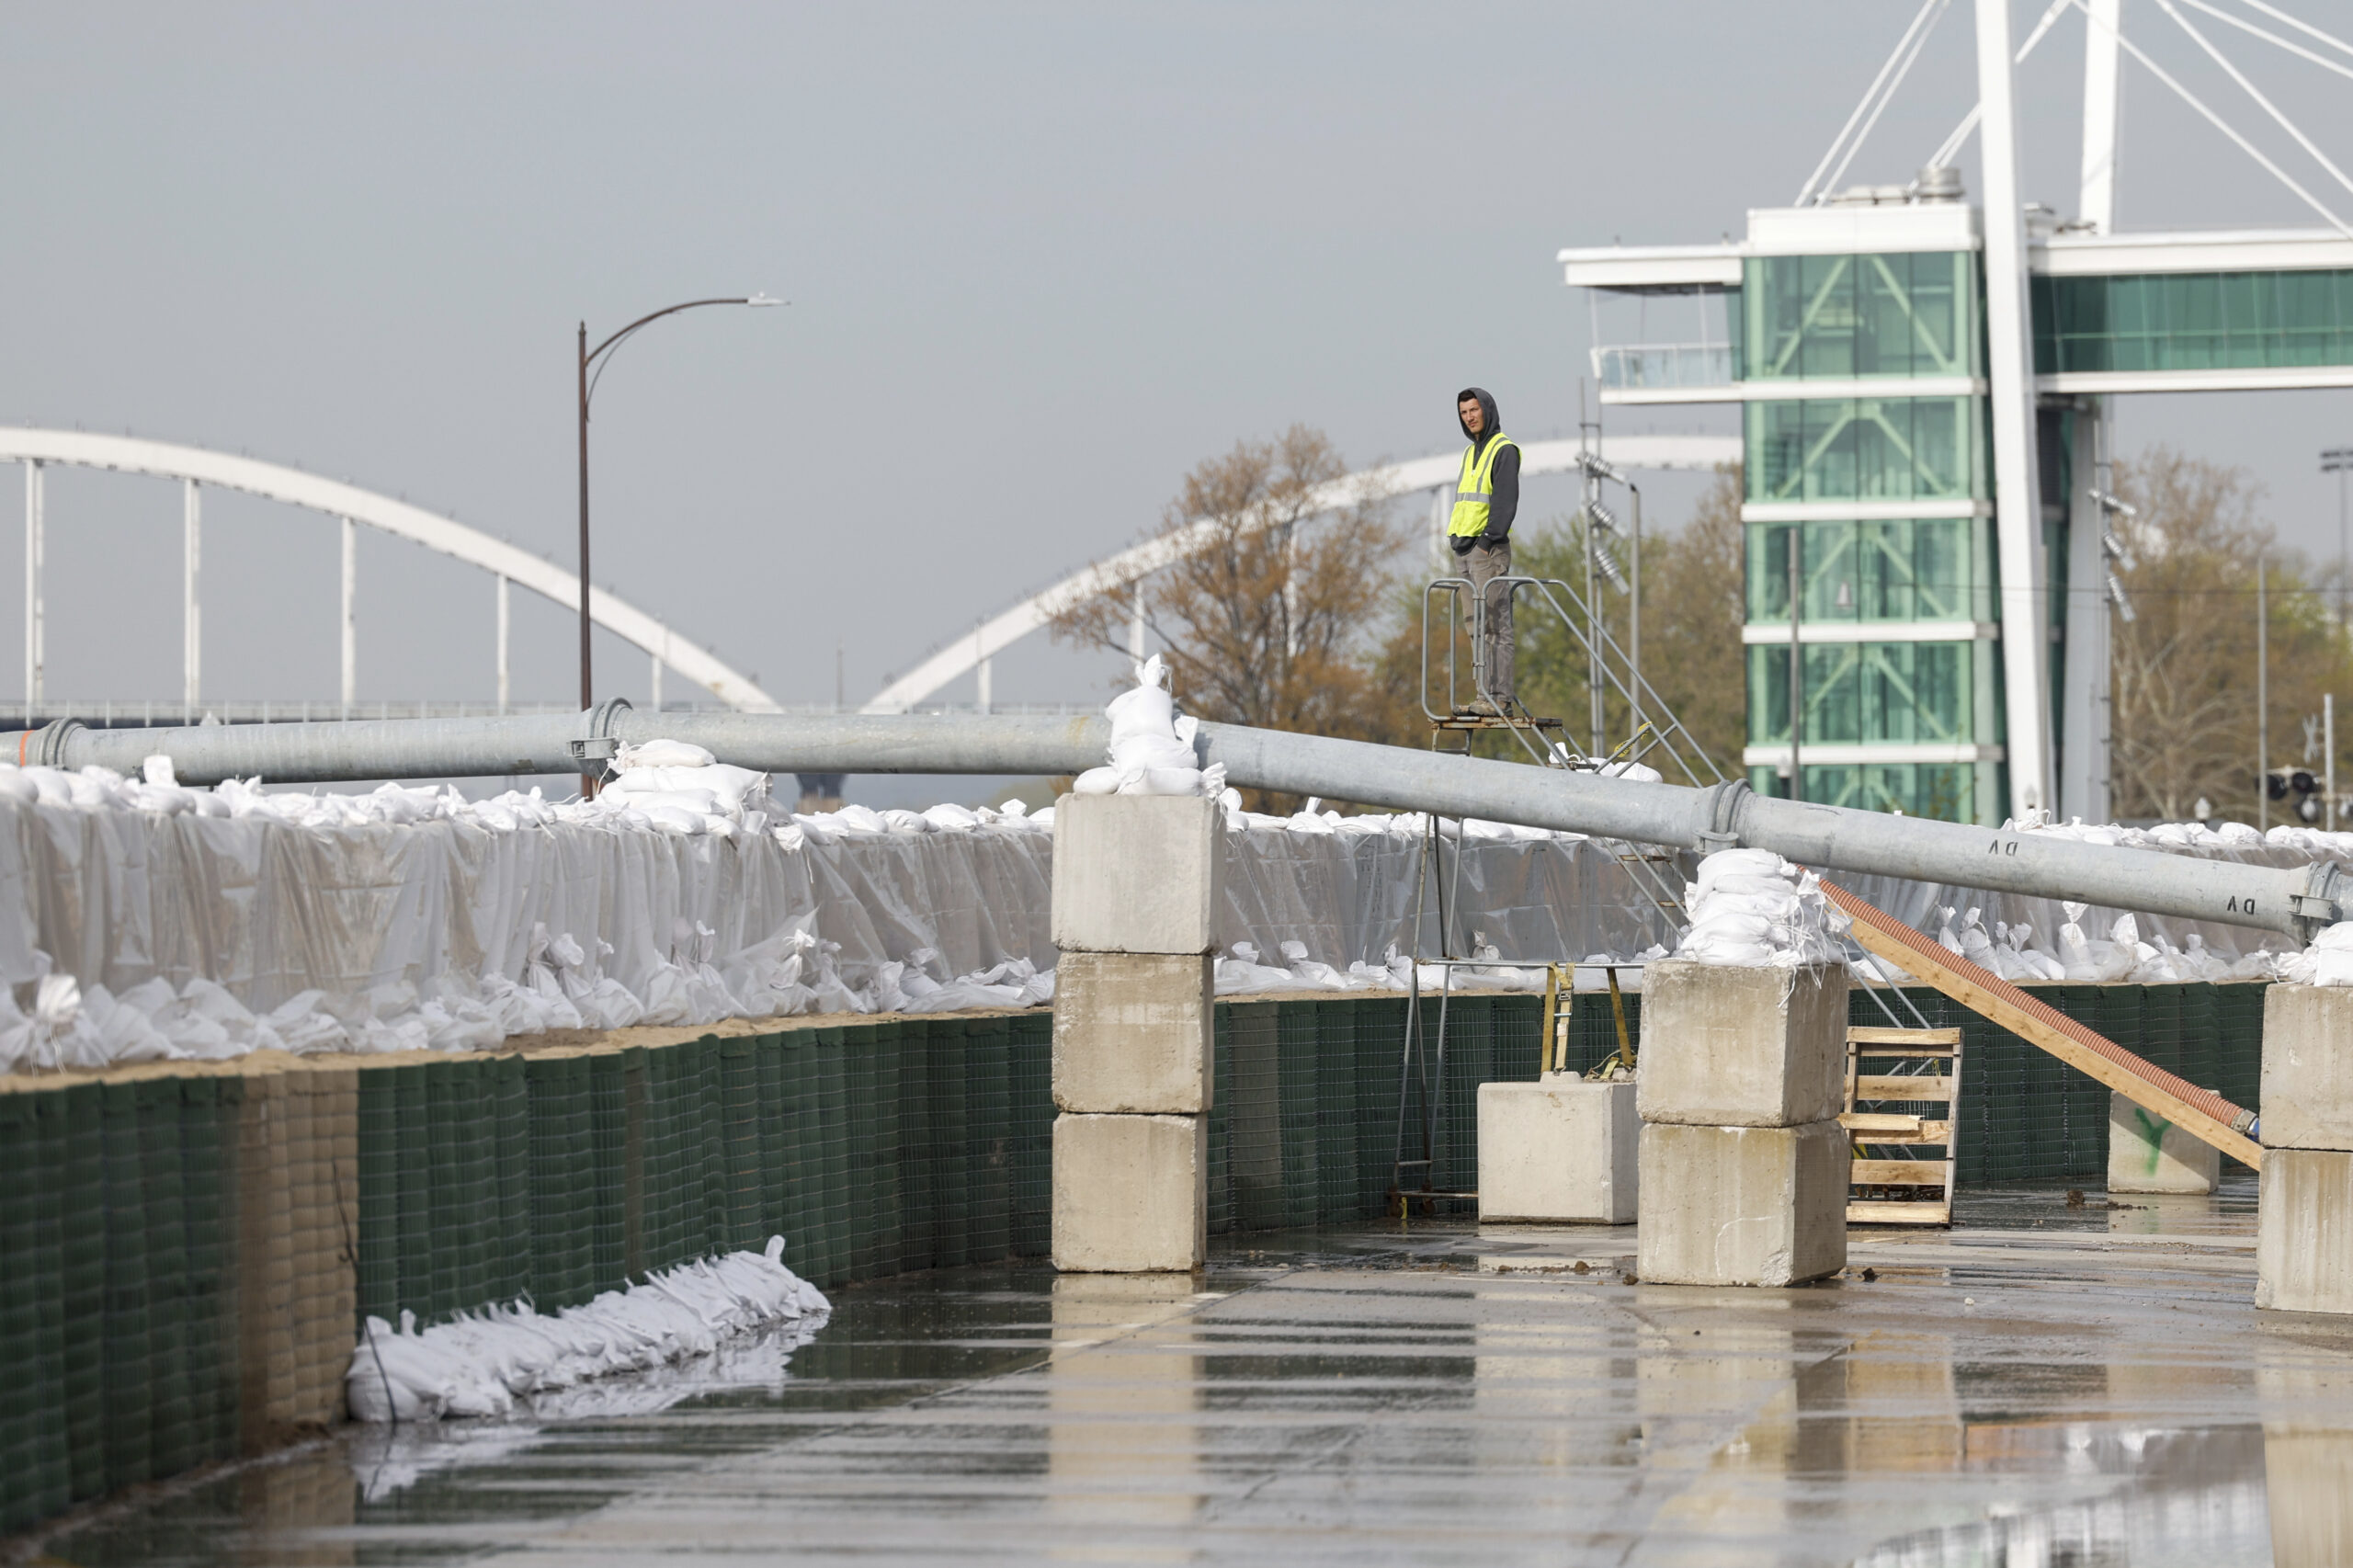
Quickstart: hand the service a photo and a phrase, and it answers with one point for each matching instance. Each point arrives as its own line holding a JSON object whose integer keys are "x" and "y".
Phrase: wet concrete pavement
{"x": 2044, "y": 1384}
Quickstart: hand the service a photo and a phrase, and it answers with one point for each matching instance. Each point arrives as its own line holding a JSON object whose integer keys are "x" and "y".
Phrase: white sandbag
{"x": 627, "y": 758}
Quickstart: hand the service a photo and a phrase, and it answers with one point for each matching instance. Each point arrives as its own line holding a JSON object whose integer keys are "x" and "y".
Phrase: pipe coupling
{"x": 45, "y": 747}
{"x": 600, "y": 744}
{"x": 2321, "y": 900}
{"x": 1719, "y": 816}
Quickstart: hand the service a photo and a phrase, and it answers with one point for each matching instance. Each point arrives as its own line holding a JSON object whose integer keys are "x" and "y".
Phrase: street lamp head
{"x": 763, "y": 300}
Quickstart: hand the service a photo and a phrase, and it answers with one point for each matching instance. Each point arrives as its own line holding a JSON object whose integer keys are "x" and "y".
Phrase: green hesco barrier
{"x": 875, "y": 1147}
{"x": 1308, "y": 1088}
{"x": 117, "y": 1290}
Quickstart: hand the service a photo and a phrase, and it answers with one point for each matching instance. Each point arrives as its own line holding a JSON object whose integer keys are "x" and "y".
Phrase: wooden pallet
{"x": 1927, "y": 1070}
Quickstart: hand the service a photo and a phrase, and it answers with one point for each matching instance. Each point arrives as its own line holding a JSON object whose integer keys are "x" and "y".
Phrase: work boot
{"x": 1480, "y": 708}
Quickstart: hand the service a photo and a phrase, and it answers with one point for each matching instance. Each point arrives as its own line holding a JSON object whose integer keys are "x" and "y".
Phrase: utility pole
{"x": 1635, "y": 618}
{"x": 1797, "y": 660}
{"x": 2339, "y": 460}
{"x": 2328, "y": 761}
{"x": 2262, "y": 704}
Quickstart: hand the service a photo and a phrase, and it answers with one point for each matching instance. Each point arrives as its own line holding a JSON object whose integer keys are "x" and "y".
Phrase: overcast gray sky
{"x": 1043, "y": 259}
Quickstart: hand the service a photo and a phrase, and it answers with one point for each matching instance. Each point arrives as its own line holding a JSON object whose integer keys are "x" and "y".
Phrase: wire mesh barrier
{"x": 186, "y": 1251}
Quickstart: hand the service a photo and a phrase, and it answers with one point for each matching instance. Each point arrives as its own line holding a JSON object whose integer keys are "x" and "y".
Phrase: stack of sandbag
{"x": 1151, "y": 749}
{"x": 681, "y": 788}
{"x": 1750, "y": 906}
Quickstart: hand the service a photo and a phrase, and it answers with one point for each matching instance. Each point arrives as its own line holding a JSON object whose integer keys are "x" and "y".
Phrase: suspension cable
{"x": 1927, "y": 9}
{"x": 1951, "y": 147}
{"x": 1885, "y": 98}
{"x": 2292, "y": 47}
{"x": 2219, "y": 123}
{"x": 2278, "y": 15}
{"x": 2281, "y": 119}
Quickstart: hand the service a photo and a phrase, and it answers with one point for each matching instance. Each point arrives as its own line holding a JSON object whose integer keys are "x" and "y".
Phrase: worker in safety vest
{"x": 1486, "y": 498}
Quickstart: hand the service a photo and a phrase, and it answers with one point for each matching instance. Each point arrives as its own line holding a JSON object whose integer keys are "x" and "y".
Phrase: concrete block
{"x": 1131, "y": 1193}
{"x": 1560, "y": 1150}
{"x": 2308, "y": 1067}
{"x": 1735, "y": 1046}
{"x": 2148, "y": 1154}
{"x": 2303, "y": 1233}
{"x": 1133, "y": 1033}
{"x": 1742, "y": 1205}
{"x": 1137, "y": 873}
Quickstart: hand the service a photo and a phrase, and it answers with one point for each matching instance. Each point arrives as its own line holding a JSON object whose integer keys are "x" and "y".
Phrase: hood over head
{"x": 1487, "y": 406}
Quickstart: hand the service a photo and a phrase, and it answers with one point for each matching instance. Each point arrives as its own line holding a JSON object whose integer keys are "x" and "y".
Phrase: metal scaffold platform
{"x": 1657, "y": 742}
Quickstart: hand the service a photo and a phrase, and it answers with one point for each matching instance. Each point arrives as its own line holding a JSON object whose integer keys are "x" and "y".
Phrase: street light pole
{"x": 588, "y": 690}
{"x": 590, "y": 372}
{"x": 2339, "y": 460}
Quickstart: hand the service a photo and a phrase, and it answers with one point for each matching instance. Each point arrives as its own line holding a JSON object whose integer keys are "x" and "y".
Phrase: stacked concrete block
{"x": 1137, "y": 886}
{"x": 2148, "y": 1154}
{"x": 2303, "y": 1255}
{"x": 1560, "y": 1151}
{"x": 1744, "y": 1167}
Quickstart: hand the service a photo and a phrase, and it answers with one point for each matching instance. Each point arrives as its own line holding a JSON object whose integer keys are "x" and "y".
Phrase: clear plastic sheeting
{"x": 142, "y": 920}
{"x": 2026, "y": 938}
{"x": 1344, "y": 890}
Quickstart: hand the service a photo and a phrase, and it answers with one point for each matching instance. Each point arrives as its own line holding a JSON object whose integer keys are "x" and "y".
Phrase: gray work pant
{"x": 1482, "y": 564}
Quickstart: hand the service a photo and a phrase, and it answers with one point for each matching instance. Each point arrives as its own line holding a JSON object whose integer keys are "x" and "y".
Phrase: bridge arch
{"x": 195, "y": 467}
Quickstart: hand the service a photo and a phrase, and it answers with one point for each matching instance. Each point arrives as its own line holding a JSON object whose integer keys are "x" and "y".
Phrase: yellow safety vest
{"x": 1475, "y": 490}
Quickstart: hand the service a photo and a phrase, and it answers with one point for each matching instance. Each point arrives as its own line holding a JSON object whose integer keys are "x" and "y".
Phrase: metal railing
{"x": 1633, "y": 366}
{"x": 174, "y": 713}
{"x": 1653, "y": 727}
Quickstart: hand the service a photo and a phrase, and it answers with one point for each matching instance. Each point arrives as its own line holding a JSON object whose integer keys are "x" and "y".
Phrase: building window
{"x": 1867, "y": 449}
{"x": 1945, "y": 791}
{"x": 2193, "y": 320}
{"x": 1899, "y": 569}
{"x": 1861, "y": 693}
{"x": 1850, "y": 316}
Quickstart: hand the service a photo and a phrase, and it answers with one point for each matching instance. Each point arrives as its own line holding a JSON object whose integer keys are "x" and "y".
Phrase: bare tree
{"x": 1264, "y": 618}
{"x": 2184, "y": 668}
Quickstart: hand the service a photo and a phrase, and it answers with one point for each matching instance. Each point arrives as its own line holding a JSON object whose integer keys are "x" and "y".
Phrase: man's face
{"x": 1474, "y": 418}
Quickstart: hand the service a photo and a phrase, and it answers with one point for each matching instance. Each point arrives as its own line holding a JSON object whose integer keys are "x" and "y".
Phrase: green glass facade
{"x": 2193, "y": 320}
{"x": 1898, "y": 317}
{"x": 1916, "y": 321}
{"x": 1947, "y": 791}
{"x": 1899, "y": 569}
{"x": 1845, "y": 317}
{"x": 1874, "y": 693}
{"x": 1867, "y": 448}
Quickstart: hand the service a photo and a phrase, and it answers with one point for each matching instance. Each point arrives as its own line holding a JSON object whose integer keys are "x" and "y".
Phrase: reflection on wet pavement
{"x": 2045, "y": 1384}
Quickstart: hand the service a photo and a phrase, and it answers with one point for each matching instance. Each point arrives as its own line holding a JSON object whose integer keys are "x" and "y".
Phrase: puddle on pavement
{"x": 1374, "y": 1392}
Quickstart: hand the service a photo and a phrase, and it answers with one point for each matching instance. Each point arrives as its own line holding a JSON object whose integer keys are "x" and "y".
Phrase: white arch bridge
{"x": 355, "y": 508}
{"x": 196, "y": 468}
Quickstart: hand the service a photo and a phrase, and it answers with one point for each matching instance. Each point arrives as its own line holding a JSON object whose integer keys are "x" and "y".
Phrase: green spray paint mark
{"x": 2152, "y": 1131}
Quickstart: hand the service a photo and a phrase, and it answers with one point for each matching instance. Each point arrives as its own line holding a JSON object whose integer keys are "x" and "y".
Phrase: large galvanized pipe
{"x": 2293, "y": 899}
